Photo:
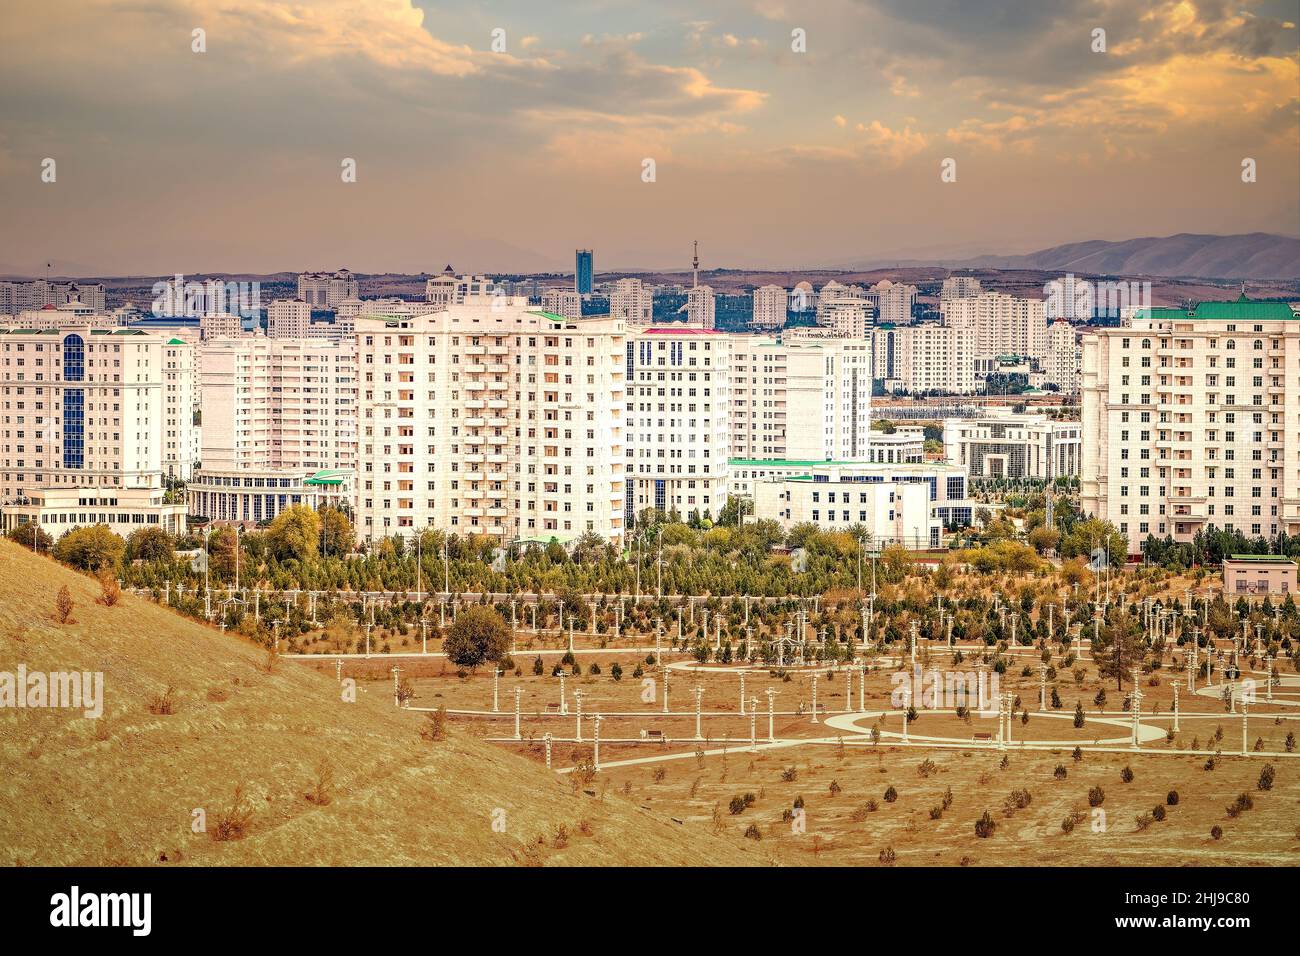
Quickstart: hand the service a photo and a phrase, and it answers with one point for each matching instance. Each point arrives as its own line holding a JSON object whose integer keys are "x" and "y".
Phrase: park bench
{"x": 982, "y": 737}
{"x": 652, "y": 735}
{"x": 552, "y": 708}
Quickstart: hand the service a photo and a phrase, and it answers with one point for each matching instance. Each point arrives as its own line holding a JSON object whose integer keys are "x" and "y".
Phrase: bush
{"x": 1060, "y": 772}
{"x": 752, "y": 832}
{"x": 1126, "y": 774}
{"x": 1158, "y": 812}
{"x": 789, "y": 774}
{"x": 1096, "y": 797}
{"x": 435, "y": 728}
{"x": 1240, "y": 805}
{"x": 234, "y": 821}
{"x": 888, "y": 856}
{"x": 1172, "y": 798}
{"x": 1143, "y": 820}
{"x": 63, "y": 606}
{"x": 110, "y": 592}
{"x": 164, "y": 704}
{"x": 1266, "y": 777}
{"x": 985, "y": 826}
{"x": 1216, "y": 832}
{"x": 890, "y": 795}
{"x": 737, "y": 806}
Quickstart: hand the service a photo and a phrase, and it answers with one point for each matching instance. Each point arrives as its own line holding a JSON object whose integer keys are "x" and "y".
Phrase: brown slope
{"x": 69, "y": 797}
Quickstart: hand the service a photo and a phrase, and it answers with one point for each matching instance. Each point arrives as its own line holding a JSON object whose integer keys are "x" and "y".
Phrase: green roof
{"x": 547, "y": 315}
{"x": 1245, "y": 310}
{"x": 328, "y": 476}
{"x": 1261, "y": 558}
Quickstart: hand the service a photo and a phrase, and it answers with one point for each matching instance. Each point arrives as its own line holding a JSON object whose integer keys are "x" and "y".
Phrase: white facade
{"x": 1061, "y": 364}
{"x": 82, "y": 413}
{"x": 562, "y": 302}
{"x": 492, "y": 418}
{"x": 770, "y": 303}
{"x": 288, "y": 319}
{"x": 1191, "y": 418}
{"x": 800, "y": 397}
{"x": 16, "y": 297}
{"x": 220, "y": 325}
{"x": 678, "y": 421}
{"x": 1004, "y": 444}
{"x": 999, "y": 324}
{"x": 124, "y": 510}
{"x": 924, "y": 359}
{"x": 631, "y": 301}
{"x": 700, "y": 307}
{"x": 959, "y": 287}
{"x": 893, "y": 301}
{"x": 903, "y": 446}
{"x": 279, "y": 403}
{"x": 898, "y": 504}
{"x": 181, "y": 436}
{"x": 324, "y": 290}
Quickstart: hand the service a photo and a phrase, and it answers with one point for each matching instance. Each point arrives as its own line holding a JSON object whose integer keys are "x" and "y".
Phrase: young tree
{"x": 63, "y": 606}
{"x": 1118, "y": 646}
{"x": 478, "y": 634}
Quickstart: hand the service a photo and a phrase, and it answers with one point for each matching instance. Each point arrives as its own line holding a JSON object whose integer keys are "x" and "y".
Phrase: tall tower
{"x": 695, "y": 265}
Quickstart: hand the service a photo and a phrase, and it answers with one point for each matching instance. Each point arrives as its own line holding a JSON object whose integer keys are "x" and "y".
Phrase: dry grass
{"x": 69, "y": 797}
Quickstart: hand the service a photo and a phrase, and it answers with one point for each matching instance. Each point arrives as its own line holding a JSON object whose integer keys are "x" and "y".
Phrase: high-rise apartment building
{"x": 678, "y": 424}
{"x": 492, "y": 418}
{"x": 82, "y": 429}
{"x": 632, "y": 302}
{"x": 279, "y": 427}
{"x": 324, "y": 290}
{"x": 16, "y": 297}
{"x": 893, "y": 301}
{"x": 998, "y": 324}
{"x": 562, "y": 302}
{"x": 770, "y": 302}
{"x": 805, "y": 398}
{"x": 584, "y": 271}
{"x": 181, "y": 435}
{"x": 1061, "y": 363}
{"x": 960, "y": 287}
{"x": 1191, "y": 418}
{"x": 288, "y": 319}
{"x": 700, "y": 307}
{"x": 926, "y": 358}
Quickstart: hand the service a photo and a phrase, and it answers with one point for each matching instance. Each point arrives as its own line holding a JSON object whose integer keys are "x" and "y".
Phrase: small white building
{"x": 59, "y": 510}
{"x": 1005, "y": 444}
{"x": 907, "y": 504}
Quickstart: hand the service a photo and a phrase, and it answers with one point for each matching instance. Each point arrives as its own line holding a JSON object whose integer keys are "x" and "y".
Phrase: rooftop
{"x": 1261, "y": 558}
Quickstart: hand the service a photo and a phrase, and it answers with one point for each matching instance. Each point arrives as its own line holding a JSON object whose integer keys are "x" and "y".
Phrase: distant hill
{"x": 1256, "y": 255}
{"x": 119, "y": 791}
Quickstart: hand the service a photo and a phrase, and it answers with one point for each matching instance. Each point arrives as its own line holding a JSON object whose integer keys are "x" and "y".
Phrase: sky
{"x": 498, "y": 160}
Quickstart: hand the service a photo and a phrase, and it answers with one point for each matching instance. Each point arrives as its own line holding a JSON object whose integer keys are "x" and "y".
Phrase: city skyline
{"x": 489, "y": 159}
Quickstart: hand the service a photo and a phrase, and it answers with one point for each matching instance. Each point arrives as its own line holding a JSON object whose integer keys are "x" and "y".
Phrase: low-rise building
{"x": 1005, "y": 444}
{"x": 1258, "y": 574}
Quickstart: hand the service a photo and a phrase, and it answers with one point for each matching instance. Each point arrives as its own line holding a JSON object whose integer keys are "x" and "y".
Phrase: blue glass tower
{"x": 584, "y": 270}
